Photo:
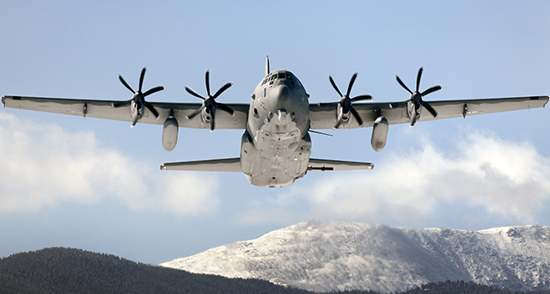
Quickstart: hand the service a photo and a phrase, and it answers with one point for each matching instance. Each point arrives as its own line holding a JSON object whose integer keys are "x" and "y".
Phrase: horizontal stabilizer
{"x": 213, "y": 165}
{"x": 337, "y": 165}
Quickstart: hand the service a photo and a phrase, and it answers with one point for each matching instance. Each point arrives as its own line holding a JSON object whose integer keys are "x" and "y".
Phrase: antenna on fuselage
{"x": 267, "y": 65}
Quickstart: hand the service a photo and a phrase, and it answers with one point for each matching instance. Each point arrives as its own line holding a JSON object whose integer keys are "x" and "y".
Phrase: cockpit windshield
{"x": 282, "y": 75}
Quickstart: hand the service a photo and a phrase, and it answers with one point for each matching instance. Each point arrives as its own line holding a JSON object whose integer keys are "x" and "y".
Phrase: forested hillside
{"x": 60, "y": 270}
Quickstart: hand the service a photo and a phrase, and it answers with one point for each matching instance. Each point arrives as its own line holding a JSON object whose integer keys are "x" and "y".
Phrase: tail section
{"x": 213, "y": 165}
{"x": 337, "y": 165}
{"x": 267, "y": 71}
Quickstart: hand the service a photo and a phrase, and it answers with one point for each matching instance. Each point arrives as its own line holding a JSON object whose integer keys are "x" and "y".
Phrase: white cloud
{"x": 43, "y": 165}
{"x": 505, "y": 179}
{"x": 189, "y": 194}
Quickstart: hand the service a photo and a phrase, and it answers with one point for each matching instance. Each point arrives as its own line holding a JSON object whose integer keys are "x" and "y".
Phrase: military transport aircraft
{"x": 276, "y": 144}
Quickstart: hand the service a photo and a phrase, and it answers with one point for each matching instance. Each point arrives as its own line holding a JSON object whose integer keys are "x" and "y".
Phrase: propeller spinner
{"x": 345, "y": 104}
{"x": 139, "y": 98}
{"x": 416, "y": 97}
{"x": 209, "y": 104}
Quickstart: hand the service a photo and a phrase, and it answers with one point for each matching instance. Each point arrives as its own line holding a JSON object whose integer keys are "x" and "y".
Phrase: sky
{"x": 96, "y": 185}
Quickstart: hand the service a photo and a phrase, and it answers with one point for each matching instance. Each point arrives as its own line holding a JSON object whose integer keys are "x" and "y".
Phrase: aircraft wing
{"x": 323, "y": 115}
{"x": 337, "y": 165}
{"x": 104, "y": 109}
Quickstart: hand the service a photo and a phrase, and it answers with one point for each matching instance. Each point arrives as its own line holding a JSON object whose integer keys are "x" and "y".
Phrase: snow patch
{"x": 331, "y": 256}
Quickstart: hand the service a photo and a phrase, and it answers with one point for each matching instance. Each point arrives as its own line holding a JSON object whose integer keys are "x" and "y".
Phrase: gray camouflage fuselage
{"x": 276, "y": 145}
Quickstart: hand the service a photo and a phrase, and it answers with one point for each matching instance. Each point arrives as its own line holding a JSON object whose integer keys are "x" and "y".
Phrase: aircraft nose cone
{"x": 283, "y": 92}
{"x": 282, "y": 98}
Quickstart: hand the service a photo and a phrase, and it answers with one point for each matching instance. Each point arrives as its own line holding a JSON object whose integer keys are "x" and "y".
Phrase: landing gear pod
{"x": 170, "y": 133}
{"x": 379, "y": 134}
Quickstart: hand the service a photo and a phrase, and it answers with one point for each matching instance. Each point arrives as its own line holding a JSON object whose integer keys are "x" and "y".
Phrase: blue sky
{"x": 96, "y": 185}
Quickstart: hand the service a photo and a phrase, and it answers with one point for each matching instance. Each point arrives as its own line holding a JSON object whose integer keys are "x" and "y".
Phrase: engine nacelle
{"x": 379, "y": 134}
{"x": 170, "y": 133}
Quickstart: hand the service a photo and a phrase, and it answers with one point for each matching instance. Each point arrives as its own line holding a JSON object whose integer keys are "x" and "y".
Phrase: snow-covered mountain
{"x": 328, "y": 256}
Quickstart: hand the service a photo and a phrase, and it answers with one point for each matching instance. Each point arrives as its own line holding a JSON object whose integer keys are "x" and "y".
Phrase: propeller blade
{"x": 338, "y": 121}
{"x": 403, "y": 84}
{"x": 151, "y": 108}
{"x": 210, "y": 101}
{"x": 125, "y": 84}
{"x": 361, "y": 98}
{"x": 417, "y": 97}
{"x": 194, "y": 113}
{"x": 429, "y": 108}
{"x": 139, "y": 98}
{"x": 193, "y": 93}
{"x": 345, "y": 104}
{"x": 351, "y": 84}
{"x": 225, "y": 108}
{"x": 122, "y": 103}
{"x": 356, "y": 115}
{"x": 141, "y": 77}
{"x": 135, "y": 121}
{"x": 207, "y": 80}
{"x": 418, "y": 77}
{"x": 221, "y": 90}
{"x": 213, "y": 122}
{"x": 431, "y": 90}
{"x": 413, "y": 121}
{"x": 153, "y": 90}
{"x": 334, "y": 86}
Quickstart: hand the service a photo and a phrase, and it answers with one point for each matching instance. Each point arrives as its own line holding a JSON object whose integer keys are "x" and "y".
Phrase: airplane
{"x": 276, "y": 143}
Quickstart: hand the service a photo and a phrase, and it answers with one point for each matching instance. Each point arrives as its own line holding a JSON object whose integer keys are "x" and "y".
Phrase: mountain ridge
{"x": 68, "y": 270}
{"x": 336, "y": 256}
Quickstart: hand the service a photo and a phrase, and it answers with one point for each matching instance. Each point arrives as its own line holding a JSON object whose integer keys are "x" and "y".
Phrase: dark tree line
{"x": 453, "y": 287}
{"x": 61, "y": 270}
{"x": 460, "y": 287}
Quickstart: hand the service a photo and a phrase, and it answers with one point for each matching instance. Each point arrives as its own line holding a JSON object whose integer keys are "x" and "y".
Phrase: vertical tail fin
{"x": 267, "y": 65}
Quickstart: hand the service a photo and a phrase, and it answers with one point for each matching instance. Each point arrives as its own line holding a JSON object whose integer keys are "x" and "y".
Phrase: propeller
{"x": 210, "y": 101}
{"x": 139, "y": 97}
{"x": 416, "y": 96}
{"x": 345, "y": 103}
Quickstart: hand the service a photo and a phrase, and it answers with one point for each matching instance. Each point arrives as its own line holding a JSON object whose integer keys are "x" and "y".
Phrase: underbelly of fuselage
{"x": 276, "y": 145}
{"x": 276, "y": 155}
